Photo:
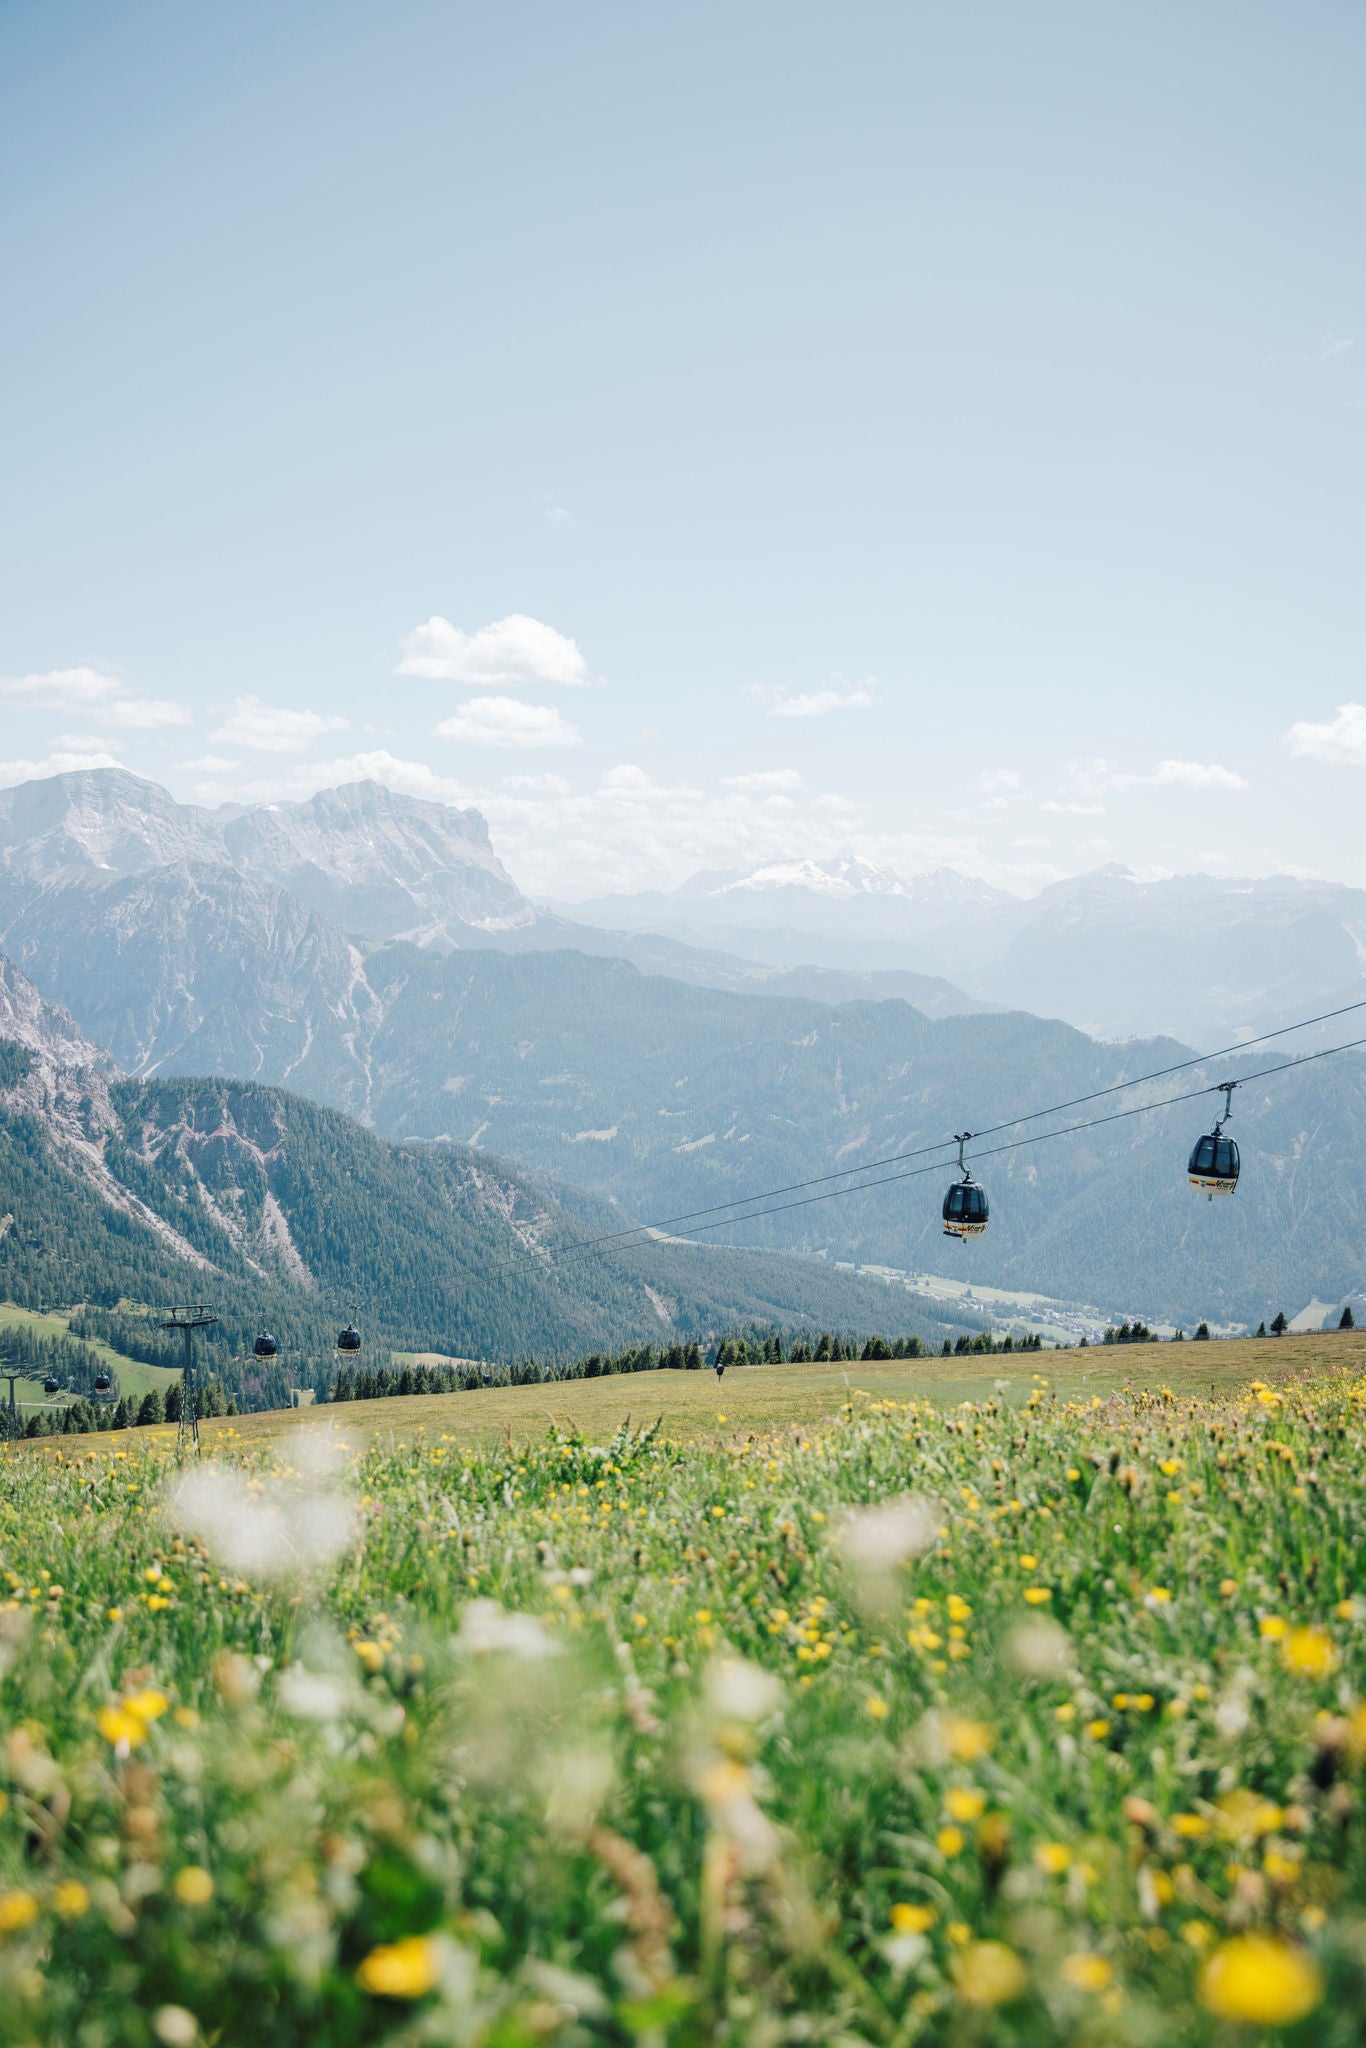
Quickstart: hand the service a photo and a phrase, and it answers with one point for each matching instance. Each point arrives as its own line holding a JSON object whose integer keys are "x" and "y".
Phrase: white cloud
{"x": 993, "y": 780}
{"x": 510, "y": 654}
{"x": 1194, "y": 775}
{"x": 1086, "y": 780}
{"x": 55, "y": 764}
{"x": 63, "y": 689}
{"x": 410, "y": 778}
{"x": 764, "y": 781}
{"x": 1340, "y": 741}
{"x": 779, "y": 703}
{"x": 145, "y": 714}
{"x": 87, "y": 743}
{"x": 504, "y": 722}
{"x": 273, "y": 728}
{"x": 209, "y": 764}
{"x": 536, "y": 785}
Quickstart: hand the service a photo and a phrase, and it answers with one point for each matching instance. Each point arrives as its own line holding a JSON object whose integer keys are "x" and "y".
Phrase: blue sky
{"x": 931, "y": 431}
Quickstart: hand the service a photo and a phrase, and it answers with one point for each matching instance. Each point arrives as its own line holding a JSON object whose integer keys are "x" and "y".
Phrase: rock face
{"x": 382, "y": 866}
{"x": 44, "y": 1028}
{"x": 378, "y": 864}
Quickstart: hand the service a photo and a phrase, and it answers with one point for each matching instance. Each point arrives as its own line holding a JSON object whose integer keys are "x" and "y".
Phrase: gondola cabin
{"x": 1214, "y": 1164}
{"x": 966, "y": 1210}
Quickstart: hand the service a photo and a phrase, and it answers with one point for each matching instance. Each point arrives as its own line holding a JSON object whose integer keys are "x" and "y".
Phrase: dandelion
{"x": 1085, "y": 1971}
{"x": 950, "y": 1841}
{"x": 1273, "y": 1628}
{"x": 966, "y": 1740}
{"x": 1053, "y": 1858}
{"x": 1309, "y": 1652}
{"x": 908, "y": 1919}
{"x": 70, "y": 1899}
{"x": 401, "y": 1969}
{"x": 1261, "y": 1979}
{"x": 876, "y": 1707}
{"x": 17, "y": 1911}
{"x": 988, "y": 1973}
{"x": 193, "y": 1886}
{"x": 1038, "y": 1596}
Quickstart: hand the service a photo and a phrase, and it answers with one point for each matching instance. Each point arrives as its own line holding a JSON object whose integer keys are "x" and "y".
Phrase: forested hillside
{"x": 277, "y": 1211}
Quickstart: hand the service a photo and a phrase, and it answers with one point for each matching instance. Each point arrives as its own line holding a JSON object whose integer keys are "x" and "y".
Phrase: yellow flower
{"x": 1273, "y": 1627}
{"x": 1197, "y": 1934}
{"x": 401, "y": 1969}
{"x": 1227, "y": 1588}
{"x": 907, "y": 1919}
{"x": 372, "y": 1657}
{"x": 966, "y": 1740}
{"x": 1086, "y": 1972}
{"x": 1098, "y": 1730}
{"x": 1242, "y": 1814}
{"x": 1261, "y": 1979}
{"x": 959, "y": 1609}
{"x": 193, "y": 1886}
{"x": 1190, "y": 1825}
{"x": 1159, "y": 1596}
{"x": 988, "y": 1973}
{"x": 71, "y": 1899}
{"x": 964, "y": 1803}
{"x": 1029, "y": 1563}
{"x": 1038, "y": 1596}
{"x": 117, "y": 1726}
{"x": 876, "y": 1706}
{"x": 950, "y": 1841}
{"x": 1310, "y": 1652}
{"x": 1053, "y": 1858}
{"x": 149, "y": 1704}
{"x": 17, "y": 1910}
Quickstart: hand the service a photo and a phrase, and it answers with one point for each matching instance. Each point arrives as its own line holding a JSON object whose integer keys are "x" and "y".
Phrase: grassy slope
{"x": 760, "y": 1397}
{"x": 133, "y": 1376}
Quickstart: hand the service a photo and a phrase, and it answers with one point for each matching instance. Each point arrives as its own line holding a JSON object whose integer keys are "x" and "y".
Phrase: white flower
{"x": 486, "y": 1627}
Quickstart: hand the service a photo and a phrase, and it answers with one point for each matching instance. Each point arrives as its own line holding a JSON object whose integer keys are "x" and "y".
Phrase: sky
{"x": 698, "y": 435}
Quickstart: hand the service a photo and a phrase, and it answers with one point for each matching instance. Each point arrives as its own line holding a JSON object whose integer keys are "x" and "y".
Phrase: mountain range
{"x": 439, "y": 1005}
{"x": 1206, "y": 958}
{"x": 277, "y": 1210}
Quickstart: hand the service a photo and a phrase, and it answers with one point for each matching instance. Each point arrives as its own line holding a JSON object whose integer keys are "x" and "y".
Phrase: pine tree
{"x": 1346, "y": 1320}
{"x": 152, "y": 1409}
{"x": 1279, "y": 1325}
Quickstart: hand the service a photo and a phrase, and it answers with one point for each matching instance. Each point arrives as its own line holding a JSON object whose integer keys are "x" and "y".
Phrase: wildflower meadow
{"x": 964, "y": 1723}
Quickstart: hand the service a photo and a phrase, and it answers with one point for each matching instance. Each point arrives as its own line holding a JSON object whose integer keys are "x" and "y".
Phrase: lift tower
{"x": 188, "y": 1318}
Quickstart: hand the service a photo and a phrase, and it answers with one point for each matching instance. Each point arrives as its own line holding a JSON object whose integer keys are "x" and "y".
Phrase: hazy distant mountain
{"x": 1207, "y": 958}
{"x": 253, "y": 907}
{"x": 378, "y": 865}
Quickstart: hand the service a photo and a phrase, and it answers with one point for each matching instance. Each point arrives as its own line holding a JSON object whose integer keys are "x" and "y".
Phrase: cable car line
{"x": 945, "y": 1144}
{"x": 992, "y": 1152}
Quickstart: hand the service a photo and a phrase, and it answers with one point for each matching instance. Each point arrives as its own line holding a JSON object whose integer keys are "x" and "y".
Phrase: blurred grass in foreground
{"x": 1019, "y": 1723}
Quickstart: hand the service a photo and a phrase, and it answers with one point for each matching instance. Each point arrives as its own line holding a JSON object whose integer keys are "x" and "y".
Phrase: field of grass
{"x": 133, "y": 1377}
{"x": 832, "y": 1711}
{"x": 762, "y": 1397}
